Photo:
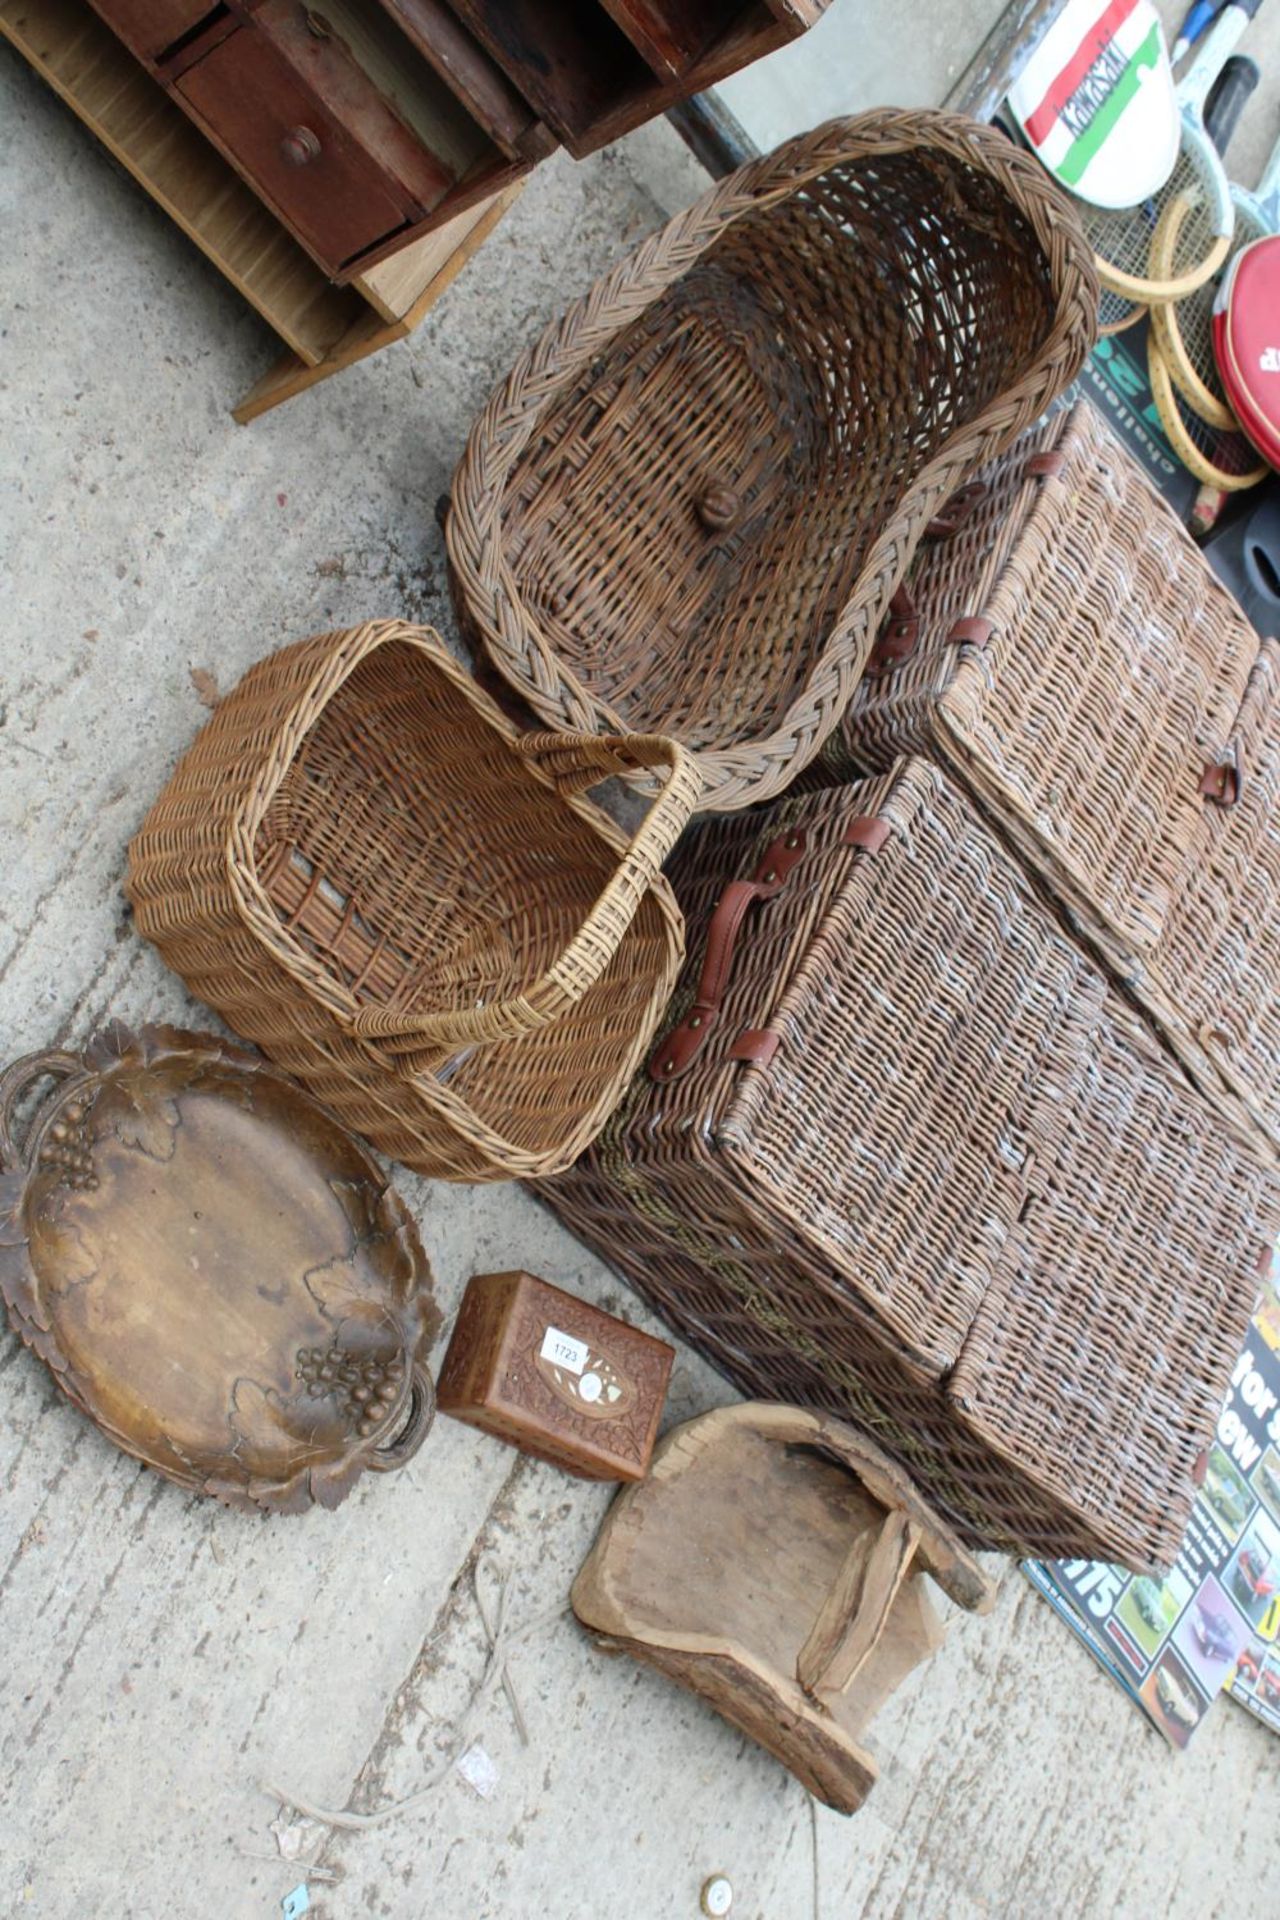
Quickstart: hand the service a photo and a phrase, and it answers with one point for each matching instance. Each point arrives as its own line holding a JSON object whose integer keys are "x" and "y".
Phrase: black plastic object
{"x": 1245, "y": 555}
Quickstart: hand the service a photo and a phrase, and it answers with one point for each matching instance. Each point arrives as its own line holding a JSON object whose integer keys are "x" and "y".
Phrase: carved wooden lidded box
{"x": 556, "y": 1377}
{"x": 212, "y": 1268}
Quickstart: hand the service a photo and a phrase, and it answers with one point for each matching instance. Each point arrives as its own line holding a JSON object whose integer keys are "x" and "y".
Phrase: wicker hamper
{"x": 364, "y": 869}
{"x": 1068, "y": 654}
{"x": 688, "y": 505}
{"x": 905, "y": 1157}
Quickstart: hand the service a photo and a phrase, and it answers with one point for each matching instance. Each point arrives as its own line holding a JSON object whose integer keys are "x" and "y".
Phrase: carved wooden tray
{"x": 213, "y": 1269}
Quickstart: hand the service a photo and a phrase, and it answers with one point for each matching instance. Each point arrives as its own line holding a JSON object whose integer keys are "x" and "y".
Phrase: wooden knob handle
{"x": 299, "y": 146}
{"x": 719, "y": 509}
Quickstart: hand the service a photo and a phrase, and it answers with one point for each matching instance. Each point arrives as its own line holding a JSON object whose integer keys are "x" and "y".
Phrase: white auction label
{"x": 562, "y": 1350}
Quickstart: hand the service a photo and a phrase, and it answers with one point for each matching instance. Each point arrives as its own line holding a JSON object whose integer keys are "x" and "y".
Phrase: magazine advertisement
{"x": 1214, "y": 1622}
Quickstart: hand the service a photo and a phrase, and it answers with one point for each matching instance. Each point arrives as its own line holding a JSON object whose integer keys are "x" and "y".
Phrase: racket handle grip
{"x": 1228, "y": 98}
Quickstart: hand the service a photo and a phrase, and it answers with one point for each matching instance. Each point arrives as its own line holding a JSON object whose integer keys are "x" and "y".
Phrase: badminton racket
{"x": 1216, "y": 458}
{"x": 1183, "y": 328}
{"x": 1122, "y": 240}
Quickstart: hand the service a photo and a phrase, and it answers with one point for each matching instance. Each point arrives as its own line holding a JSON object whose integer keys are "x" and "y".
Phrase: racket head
{"x": 1266, "y": 195}
{"x": 1096, "y": 102}
{"x": 1116, "y": 314}
{"x": 1122, "y": 241}
{"x": 1217, "y": 459}
{"x": 1184, "y": 328}
{"x": 1189, "y": 347}
{"x": 1257, "y": 213}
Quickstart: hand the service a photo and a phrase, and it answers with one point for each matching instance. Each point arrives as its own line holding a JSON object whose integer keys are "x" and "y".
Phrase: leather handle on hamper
{"x": 676, "y": 1052}
{"x": 900, "y": 634}
{"x": 570, "y": 762}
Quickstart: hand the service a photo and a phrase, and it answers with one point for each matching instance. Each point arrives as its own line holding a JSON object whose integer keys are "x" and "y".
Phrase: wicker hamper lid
{"x": 1068, "y": 654}
{"x": 1215, "y": 977}
{"x": 921, "y": 1006}
{"x": 1077, "y": 665}
{"x": 922, "y": 1080}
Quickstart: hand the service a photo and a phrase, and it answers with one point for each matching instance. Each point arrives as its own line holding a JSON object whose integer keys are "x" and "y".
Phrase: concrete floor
{"x": 161, "y": 1658}
{"x": 857, "y": 57}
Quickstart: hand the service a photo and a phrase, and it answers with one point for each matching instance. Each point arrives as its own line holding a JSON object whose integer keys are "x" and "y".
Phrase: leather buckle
{"x": 955, "y": 511}
{"x": 1222, "y": 780}
{"x": 898, "y": 636}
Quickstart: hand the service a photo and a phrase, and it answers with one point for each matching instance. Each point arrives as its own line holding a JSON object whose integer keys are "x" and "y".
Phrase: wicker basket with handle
{"x": 409, "y": 906}
{"x": 687, "y": 507}
{"x": 906, "y": 1158}
{"x": 1069, "y": 656}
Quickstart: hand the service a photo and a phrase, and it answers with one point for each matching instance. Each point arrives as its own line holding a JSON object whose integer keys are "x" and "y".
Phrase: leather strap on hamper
{"x": 954, "y": 512}
{"x": 676, "y": 1053}
{"x": 900, "y": 635}
{"x": 1044, "y": 466}
{"x": 1222, "y": 780}
{"x": 971, "y": 630}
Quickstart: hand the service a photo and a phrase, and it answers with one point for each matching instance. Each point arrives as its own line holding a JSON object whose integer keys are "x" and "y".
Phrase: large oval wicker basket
{"x": 409, "y": 906}
{"x": 688, "y": 506}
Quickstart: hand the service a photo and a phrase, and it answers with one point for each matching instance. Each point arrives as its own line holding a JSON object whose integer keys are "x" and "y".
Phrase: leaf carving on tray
{"x": 382, "y": 1225}
{"x": 359, "y": 1202}
{"x": 258, "y": 1420}
{"x": 330, "y": 1485}
{"x": 58, "y": 1252}
{"x": 115, "y": 1045}
{"x": 346, "y": 1288}
{"x": 150, "y": 1119}
{"x": 13, "y": 1232}
{"x": 281, "y": 1496}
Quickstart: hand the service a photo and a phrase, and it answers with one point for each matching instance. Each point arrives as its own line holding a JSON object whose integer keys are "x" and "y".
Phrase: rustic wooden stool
{"x": 772, "y": 1563}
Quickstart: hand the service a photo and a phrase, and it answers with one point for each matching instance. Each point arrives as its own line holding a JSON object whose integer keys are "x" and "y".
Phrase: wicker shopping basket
{"x": 409, "y": 906}
{"x": 1070, "y": 657}
{"x": 688, "y": 505}
{"x": 905, "y": 1157}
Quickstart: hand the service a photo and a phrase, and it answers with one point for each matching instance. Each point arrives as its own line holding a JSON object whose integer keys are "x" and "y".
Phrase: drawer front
{"x": 149, "y": 27}
{"x": 324, "y": 185}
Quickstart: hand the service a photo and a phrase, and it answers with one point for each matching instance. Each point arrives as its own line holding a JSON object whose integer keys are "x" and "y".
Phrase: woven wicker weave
{"x": 687, "y": 507}
{"x": 364, "y": 869}
{"x": 954, "y": 1191}
{"x": 1214, "y": 980}
{"x": 1079, "y": 668}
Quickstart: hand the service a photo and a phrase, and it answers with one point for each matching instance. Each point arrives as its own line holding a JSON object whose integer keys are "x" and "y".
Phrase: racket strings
{"x": 1123, "y": 240}
{"x": 1219, "y": 457}
{"x": 1185, "y": 326}
{"x": 1116, "y": 312}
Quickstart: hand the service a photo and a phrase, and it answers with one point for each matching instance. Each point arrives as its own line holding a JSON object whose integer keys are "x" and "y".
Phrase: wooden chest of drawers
{"x": 340, "y": 160}
{"x": 364, "y": 124}
{"x": 335, "y": 114}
